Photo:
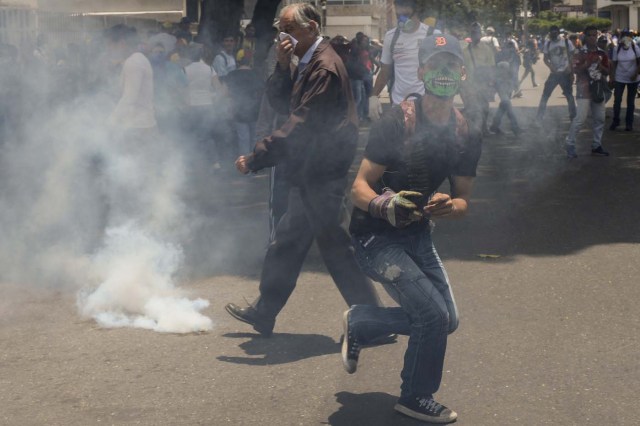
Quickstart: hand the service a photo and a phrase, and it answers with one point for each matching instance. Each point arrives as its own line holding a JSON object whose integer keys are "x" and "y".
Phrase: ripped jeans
{"x": 407, "y": 264}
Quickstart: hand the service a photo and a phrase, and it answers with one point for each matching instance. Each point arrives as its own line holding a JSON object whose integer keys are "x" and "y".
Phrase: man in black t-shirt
{"x": 411, "y": 151}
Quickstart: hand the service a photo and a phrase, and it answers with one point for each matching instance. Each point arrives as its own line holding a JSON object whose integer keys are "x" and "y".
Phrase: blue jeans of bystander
{"x": 597, "y": 116}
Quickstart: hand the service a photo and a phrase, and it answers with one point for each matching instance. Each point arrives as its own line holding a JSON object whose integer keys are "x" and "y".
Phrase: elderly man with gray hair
{"x": 317, "y": 144}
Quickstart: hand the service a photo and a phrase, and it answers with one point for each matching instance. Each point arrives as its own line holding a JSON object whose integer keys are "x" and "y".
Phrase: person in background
{"x": 575, "y": 40}
{"x": 399, "y": 57}
{"x": 505, "y": 88}
{"x": 225, "y": 61}
{"x": 170, "y": 88}
{"x": 511, "y": 56}
{"x": 491, "y": 39}
{"x": 244, "y": 91}
{"x": 480, "y": 86}
{"x": 202, "y": 84}
{"x": 184, "y": 30}
{"x": 624, "y": 74}
{"x": 590, "y": 65}
{"x": 558, "y": 54}
{"x": 357, "y": 71}
{"x": 248, "y": 48}
{"x": 364, "y": 46}
{"x": 135, "y": 108}
{"x": 530, "y": 58}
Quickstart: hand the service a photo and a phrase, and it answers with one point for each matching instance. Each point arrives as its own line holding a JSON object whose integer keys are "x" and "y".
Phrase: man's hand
{"x": 375, "y": 108}
{"x": 241, "y": 165}
{"x": 440, "y": 205}
{"x": 284, "y": 51}
{"x": 398, "y": 209}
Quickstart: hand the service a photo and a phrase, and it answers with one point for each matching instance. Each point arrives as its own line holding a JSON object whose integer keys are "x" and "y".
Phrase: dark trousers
{"x": 315, "y": 211}
{"x": 278, "y": 198}
{"x": 528, "y": 70}
{"x": 565, "y": 80}
{"x": 505, "y": 107}
{"x": 618, "y": 90}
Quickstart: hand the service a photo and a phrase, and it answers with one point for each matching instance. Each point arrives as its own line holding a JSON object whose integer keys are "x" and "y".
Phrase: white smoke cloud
{"x": 137, "y": 288}
{"x": 88, "y": 210}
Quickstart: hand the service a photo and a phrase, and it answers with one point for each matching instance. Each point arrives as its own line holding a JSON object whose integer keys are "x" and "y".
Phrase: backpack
{"x": 633, "y": 46}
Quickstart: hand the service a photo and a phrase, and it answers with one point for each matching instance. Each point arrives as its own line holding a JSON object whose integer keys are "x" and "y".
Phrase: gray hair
{"x": 303, "y": 13}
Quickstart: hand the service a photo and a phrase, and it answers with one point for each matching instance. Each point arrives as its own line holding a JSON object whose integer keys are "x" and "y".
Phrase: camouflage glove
{"x": 399, "y": 209}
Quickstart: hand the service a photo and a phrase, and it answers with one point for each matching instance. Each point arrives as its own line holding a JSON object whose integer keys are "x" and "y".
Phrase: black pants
{"x": 565, "y": 80}
{"x": 315, "y": 211}
{"x": 618, "y": 90}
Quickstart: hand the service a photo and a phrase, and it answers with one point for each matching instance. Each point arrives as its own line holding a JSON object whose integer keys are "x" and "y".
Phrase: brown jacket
{"x": 318, "y": 140}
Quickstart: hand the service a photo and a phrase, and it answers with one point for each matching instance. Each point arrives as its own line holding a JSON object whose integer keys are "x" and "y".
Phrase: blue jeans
{"x": 368, "y": 88}
{"x": 246, "y": 137}
{"x": 597, "y": 122}
{"x": 407, "y": 264}
{"x": 357, "y": 87}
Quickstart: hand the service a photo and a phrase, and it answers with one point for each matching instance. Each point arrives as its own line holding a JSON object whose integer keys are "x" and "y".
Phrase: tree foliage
{"x": 503, "y": 15}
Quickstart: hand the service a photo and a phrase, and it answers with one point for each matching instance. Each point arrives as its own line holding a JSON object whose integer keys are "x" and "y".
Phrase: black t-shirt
{"x": 418, "y": 163}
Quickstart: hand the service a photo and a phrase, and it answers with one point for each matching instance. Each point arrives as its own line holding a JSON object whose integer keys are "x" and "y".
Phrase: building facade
{"x": 347, "y": 17}
{"x": 623, "y": 13}
{"x": 66, "y": 21}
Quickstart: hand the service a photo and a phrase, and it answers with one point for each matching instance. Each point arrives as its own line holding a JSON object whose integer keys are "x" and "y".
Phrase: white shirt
{"x": 626, "y": 69}
{"x": 304, "y": 61}
{"x": 405, "y": 62}
{"x": 557, "y": 53}
{"x": 200, "y": 83}
{"x": 135, "y": 108}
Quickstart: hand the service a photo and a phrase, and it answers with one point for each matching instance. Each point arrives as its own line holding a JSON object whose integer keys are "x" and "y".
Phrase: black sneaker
{"x": 350, "y": 347}
{"x": 251, "y": 317}
{"x": 425, "y": 409}
{"x": 599, "y": 152}
{"x": 613, "y": 125}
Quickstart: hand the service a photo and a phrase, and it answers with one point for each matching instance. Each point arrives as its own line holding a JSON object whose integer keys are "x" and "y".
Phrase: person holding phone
{"x": 411, "y": 151}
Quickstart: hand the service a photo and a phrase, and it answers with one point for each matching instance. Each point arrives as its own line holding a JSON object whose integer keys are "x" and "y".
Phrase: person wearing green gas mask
{"x": 411, "y": 150}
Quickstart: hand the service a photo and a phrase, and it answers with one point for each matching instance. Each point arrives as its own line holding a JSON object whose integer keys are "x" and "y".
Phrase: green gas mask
{"x": 442, "y": 82}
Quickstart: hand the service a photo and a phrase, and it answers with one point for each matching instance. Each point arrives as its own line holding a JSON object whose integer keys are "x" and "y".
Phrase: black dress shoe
{"x": 252, "y": 317}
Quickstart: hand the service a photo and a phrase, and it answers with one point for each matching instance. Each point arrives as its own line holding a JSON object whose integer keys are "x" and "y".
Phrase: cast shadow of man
{"x": 281, "y": 348}
{"x": 371, "y": 409}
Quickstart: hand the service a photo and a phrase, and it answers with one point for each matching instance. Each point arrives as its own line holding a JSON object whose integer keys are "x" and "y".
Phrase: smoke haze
{"x": 87, "y": 210}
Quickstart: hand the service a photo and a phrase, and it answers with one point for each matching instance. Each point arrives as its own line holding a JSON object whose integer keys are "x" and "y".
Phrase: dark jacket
{"x": 318, "y": 140}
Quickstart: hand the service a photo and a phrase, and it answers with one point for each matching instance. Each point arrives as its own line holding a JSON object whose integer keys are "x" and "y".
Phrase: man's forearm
{"x": 381, "y": 80}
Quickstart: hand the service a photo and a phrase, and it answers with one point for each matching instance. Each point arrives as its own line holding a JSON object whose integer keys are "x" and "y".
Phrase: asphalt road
{"x": 549, "y": 328}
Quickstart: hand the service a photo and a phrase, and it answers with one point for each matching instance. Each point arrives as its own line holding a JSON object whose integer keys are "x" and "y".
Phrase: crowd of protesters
{"x": 300, "y": 120}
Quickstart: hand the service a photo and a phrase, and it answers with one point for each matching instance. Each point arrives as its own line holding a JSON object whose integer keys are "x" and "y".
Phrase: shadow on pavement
{"x": 530, "y": 199}
{"x": 371, "y": 409}
{"x": 280, "y": 348}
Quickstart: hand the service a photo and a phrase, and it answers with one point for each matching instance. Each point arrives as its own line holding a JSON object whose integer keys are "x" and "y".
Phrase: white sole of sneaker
{"x": 349, "y": 365}
{"x": 414, "y": 414}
